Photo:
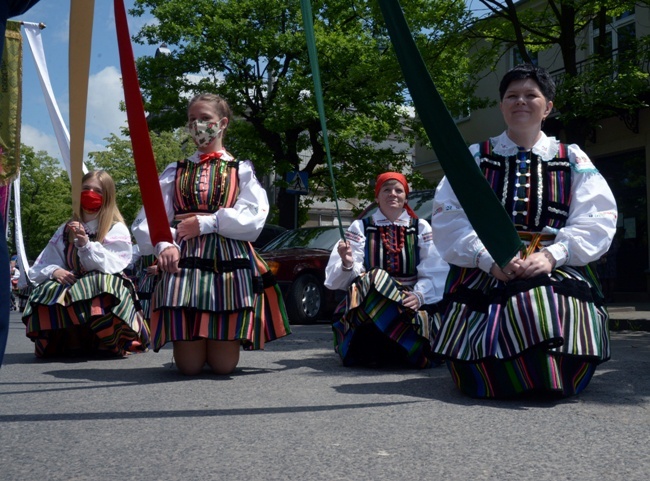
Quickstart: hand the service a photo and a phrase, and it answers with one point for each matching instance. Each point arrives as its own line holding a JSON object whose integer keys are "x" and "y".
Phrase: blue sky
{"x": 104, "y": 89}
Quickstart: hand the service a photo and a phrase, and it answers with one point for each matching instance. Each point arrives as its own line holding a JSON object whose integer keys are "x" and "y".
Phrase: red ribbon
{"x": 145, "y": 164}
{"x": 209, "y": 156}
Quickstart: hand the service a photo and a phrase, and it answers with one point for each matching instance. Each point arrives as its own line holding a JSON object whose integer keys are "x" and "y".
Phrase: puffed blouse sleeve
{"x": 591, "y": 225}
{"x": 110, "y": 256}
{"x": 140, "y": 227}
{"x": 453, "y": 235}
{"x": 432, "y": 270}
{"x": 335, "y": 276}
{"x": 244, "y": 220}
{"x": 51, "y": 259}
{"x": 587, "y": 235}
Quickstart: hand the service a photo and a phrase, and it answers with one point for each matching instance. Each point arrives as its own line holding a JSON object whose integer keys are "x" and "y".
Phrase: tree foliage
{"x": 253, "y": 53}
{"x": 45, "y": 199}
{"x": 117, "y": 160}
{"x": 600, "y": 86}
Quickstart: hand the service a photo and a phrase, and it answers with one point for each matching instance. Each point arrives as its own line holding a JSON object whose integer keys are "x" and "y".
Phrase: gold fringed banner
{"x": 81, "y": 32}
{"x": 11, "y": 73}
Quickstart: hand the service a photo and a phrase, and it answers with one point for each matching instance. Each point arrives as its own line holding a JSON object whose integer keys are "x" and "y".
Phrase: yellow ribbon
{"x": 81, "y": 32}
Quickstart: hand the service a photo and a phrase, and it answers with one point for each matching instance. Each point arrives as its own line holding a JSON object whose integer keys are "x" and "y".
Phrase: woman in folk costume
{"x": 214, "y": 293}
{"x": 537, "y": 325}
{"x": 82, "y": 304}
{"x": 391, "y": 270}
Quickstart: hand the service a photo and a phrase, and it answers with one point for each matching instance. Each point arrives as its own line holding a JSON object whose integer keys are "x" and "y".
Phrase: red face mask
{"x": 91, "y": 201}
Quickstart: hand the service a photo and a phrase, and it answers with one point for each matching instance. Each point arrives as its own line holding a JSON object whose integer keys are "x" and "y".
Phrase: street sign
{"x": 298, "y": 183}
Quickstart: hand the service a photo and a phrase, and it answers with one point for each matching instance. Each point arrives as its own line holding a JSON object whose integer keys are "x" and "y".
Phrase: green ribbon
{"x": 482, "y": 207}
{"x": 308, "y": 22}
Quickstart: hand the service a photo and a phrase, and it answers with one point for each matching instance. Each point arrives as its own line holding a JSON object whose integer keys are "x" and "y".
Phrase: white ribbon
{"x": 23, "y": 264}
{"x": 33, "y": 34}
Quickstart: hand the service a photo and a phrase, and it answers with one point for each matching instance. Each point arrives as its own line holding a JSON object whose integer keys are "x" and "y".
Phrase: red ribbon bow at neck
{"x": 209, "y": 156}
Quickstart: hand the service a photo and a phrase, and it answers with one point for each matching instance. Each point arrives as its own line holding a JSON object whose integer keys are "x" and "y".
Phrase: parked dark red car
{"x": 269, "y": 232}
{"x": 298, "y": 258}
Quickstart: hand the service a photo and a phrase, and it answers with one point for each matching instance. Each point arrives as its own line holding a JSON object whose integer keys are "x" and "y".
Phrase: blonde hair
{"x": 220, "y": 105}
{"x": 109, "y": 213}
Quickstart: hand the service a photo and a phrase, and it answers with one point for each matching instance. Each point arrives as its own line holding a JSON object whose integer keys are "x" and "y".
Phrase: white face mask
{"x": 204, "y": 133}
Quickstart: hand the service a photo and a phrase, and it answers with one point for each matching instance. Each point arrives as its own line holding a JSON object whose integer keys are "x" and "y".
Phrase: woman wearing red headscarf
{"x": 391, "y": 270}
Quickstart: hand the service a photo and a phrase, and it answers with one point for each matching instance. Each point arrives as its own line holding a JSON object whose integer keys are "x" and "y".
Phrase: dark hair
{"x": 524, "y": 71}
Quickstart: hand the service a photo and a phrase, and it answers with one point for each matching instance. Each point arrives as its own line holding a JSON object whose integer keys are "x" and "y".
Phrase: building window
{"x": 462, "y": 114}
{"x": 620, "y": 36}
{"x": 517, "y": 59}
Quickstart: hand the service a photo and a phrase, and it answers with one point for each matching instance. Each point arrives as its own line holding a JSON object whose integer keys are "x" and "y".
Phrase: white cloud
{"x": 103, "y": 111}
{"x": 41, "y": 141}
{"x": 38, "y": 140}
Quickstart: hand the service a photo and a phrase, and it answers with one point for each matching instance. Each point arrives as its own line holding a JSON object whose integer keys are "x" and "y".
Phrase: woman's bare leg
{"x": 190, "y": 356}
{"x": 223, "y": 356}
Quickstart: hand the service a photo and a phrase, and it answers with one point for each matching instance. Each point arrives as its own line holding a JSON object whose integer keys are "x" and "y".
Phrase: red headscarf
{"x": 386, "y": 176}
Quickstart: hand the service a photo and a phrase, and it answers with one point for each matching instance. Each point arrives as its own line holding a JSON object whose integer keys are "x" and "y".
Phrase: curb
{"x": 629, "y": 325}
{"x": 627, "y": 318}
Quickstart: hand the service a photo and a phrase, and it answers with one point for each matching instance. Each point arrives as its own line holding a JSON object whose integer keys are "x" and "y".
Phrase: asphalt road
{"x": 292, "y": 412}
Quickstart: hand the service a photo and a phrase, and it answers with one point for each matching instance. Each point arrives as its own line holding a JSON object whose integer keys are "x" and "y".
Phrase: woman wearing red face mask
{"x": 82, "y": 305}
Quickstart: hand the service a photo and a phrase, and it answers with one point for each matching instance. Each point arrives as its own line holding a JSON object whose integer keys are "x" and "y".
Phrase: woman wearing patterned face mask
{"x": 214, "y": 293}
{"x": 82, "y": 305}
{"x": 392, "y": 272}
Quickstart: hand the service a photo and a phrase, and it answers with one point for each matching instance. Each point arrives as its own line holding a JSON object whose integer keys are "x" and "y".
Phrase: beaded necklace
{"x": 392, "y": 236}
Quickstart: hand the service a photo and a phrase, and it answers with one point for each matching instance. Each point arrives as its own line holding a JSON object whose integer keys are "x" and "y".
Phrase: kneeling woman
{"x": 538, "y": 325}
{"x": 214, "y": 294}
{"x": 392, "y": 271}
{"x": 82, "y": 304}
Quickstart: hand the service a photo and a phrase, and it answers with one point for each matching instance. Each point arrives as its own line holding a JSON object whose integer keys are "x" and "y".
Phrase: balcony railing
{"x": 618, "y": 57}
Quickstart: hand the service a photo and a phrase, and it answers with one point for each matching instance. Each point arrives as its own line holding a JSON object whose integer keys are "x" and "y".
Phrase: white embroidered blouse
{"x": 588, "y": 232}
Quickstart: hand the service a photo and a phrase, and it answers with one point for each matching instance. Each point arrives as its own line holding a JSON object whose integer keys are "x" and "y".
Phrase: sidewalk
{"x": 629, "y": 316}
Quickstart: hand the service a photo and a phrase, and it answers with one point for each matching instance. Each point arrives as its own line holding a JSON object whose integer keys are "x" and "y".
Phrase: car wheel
{"x": 305, "y": 300}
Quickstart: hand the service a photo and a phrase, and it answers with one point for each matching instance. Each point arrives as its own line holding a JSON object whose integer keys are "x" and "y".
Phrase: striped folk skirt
{"x": 232, "y": 296}
{"x": 146, "y": 285}
{"x": 96, "y": 315}
{"x": 376, "y": 329}
{"x": 545, "y": 334}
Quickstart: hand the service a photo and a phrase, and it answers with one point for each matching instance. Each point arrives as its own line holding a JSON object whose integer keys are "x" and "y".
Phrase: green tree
{"x": 253, "y": 53}
{"x": 117, "y": 160}
{"x": 45, "y": 199}
{"x": 603, "y": 85}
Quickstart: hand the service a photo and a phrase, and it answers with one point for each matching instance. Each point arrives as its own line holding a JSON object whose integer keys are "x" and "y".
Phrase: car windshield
{"x": 308, "y": 237}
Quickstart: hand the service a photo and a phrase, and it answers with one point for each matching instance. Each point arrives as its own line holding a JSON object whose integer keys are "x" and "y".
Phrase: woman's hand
{"x": 411, "y": 300}
{"x": 345, "y": 253}
{"x": 152, "y": 270}
{"x": 188, "y": 229}
{"x": 64, "y": 277}
{"x": 80, "y": 237}
{"x": 509, "y": 272}
{"x": 168, "y": 260}
{"x": 536, "y": 264}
